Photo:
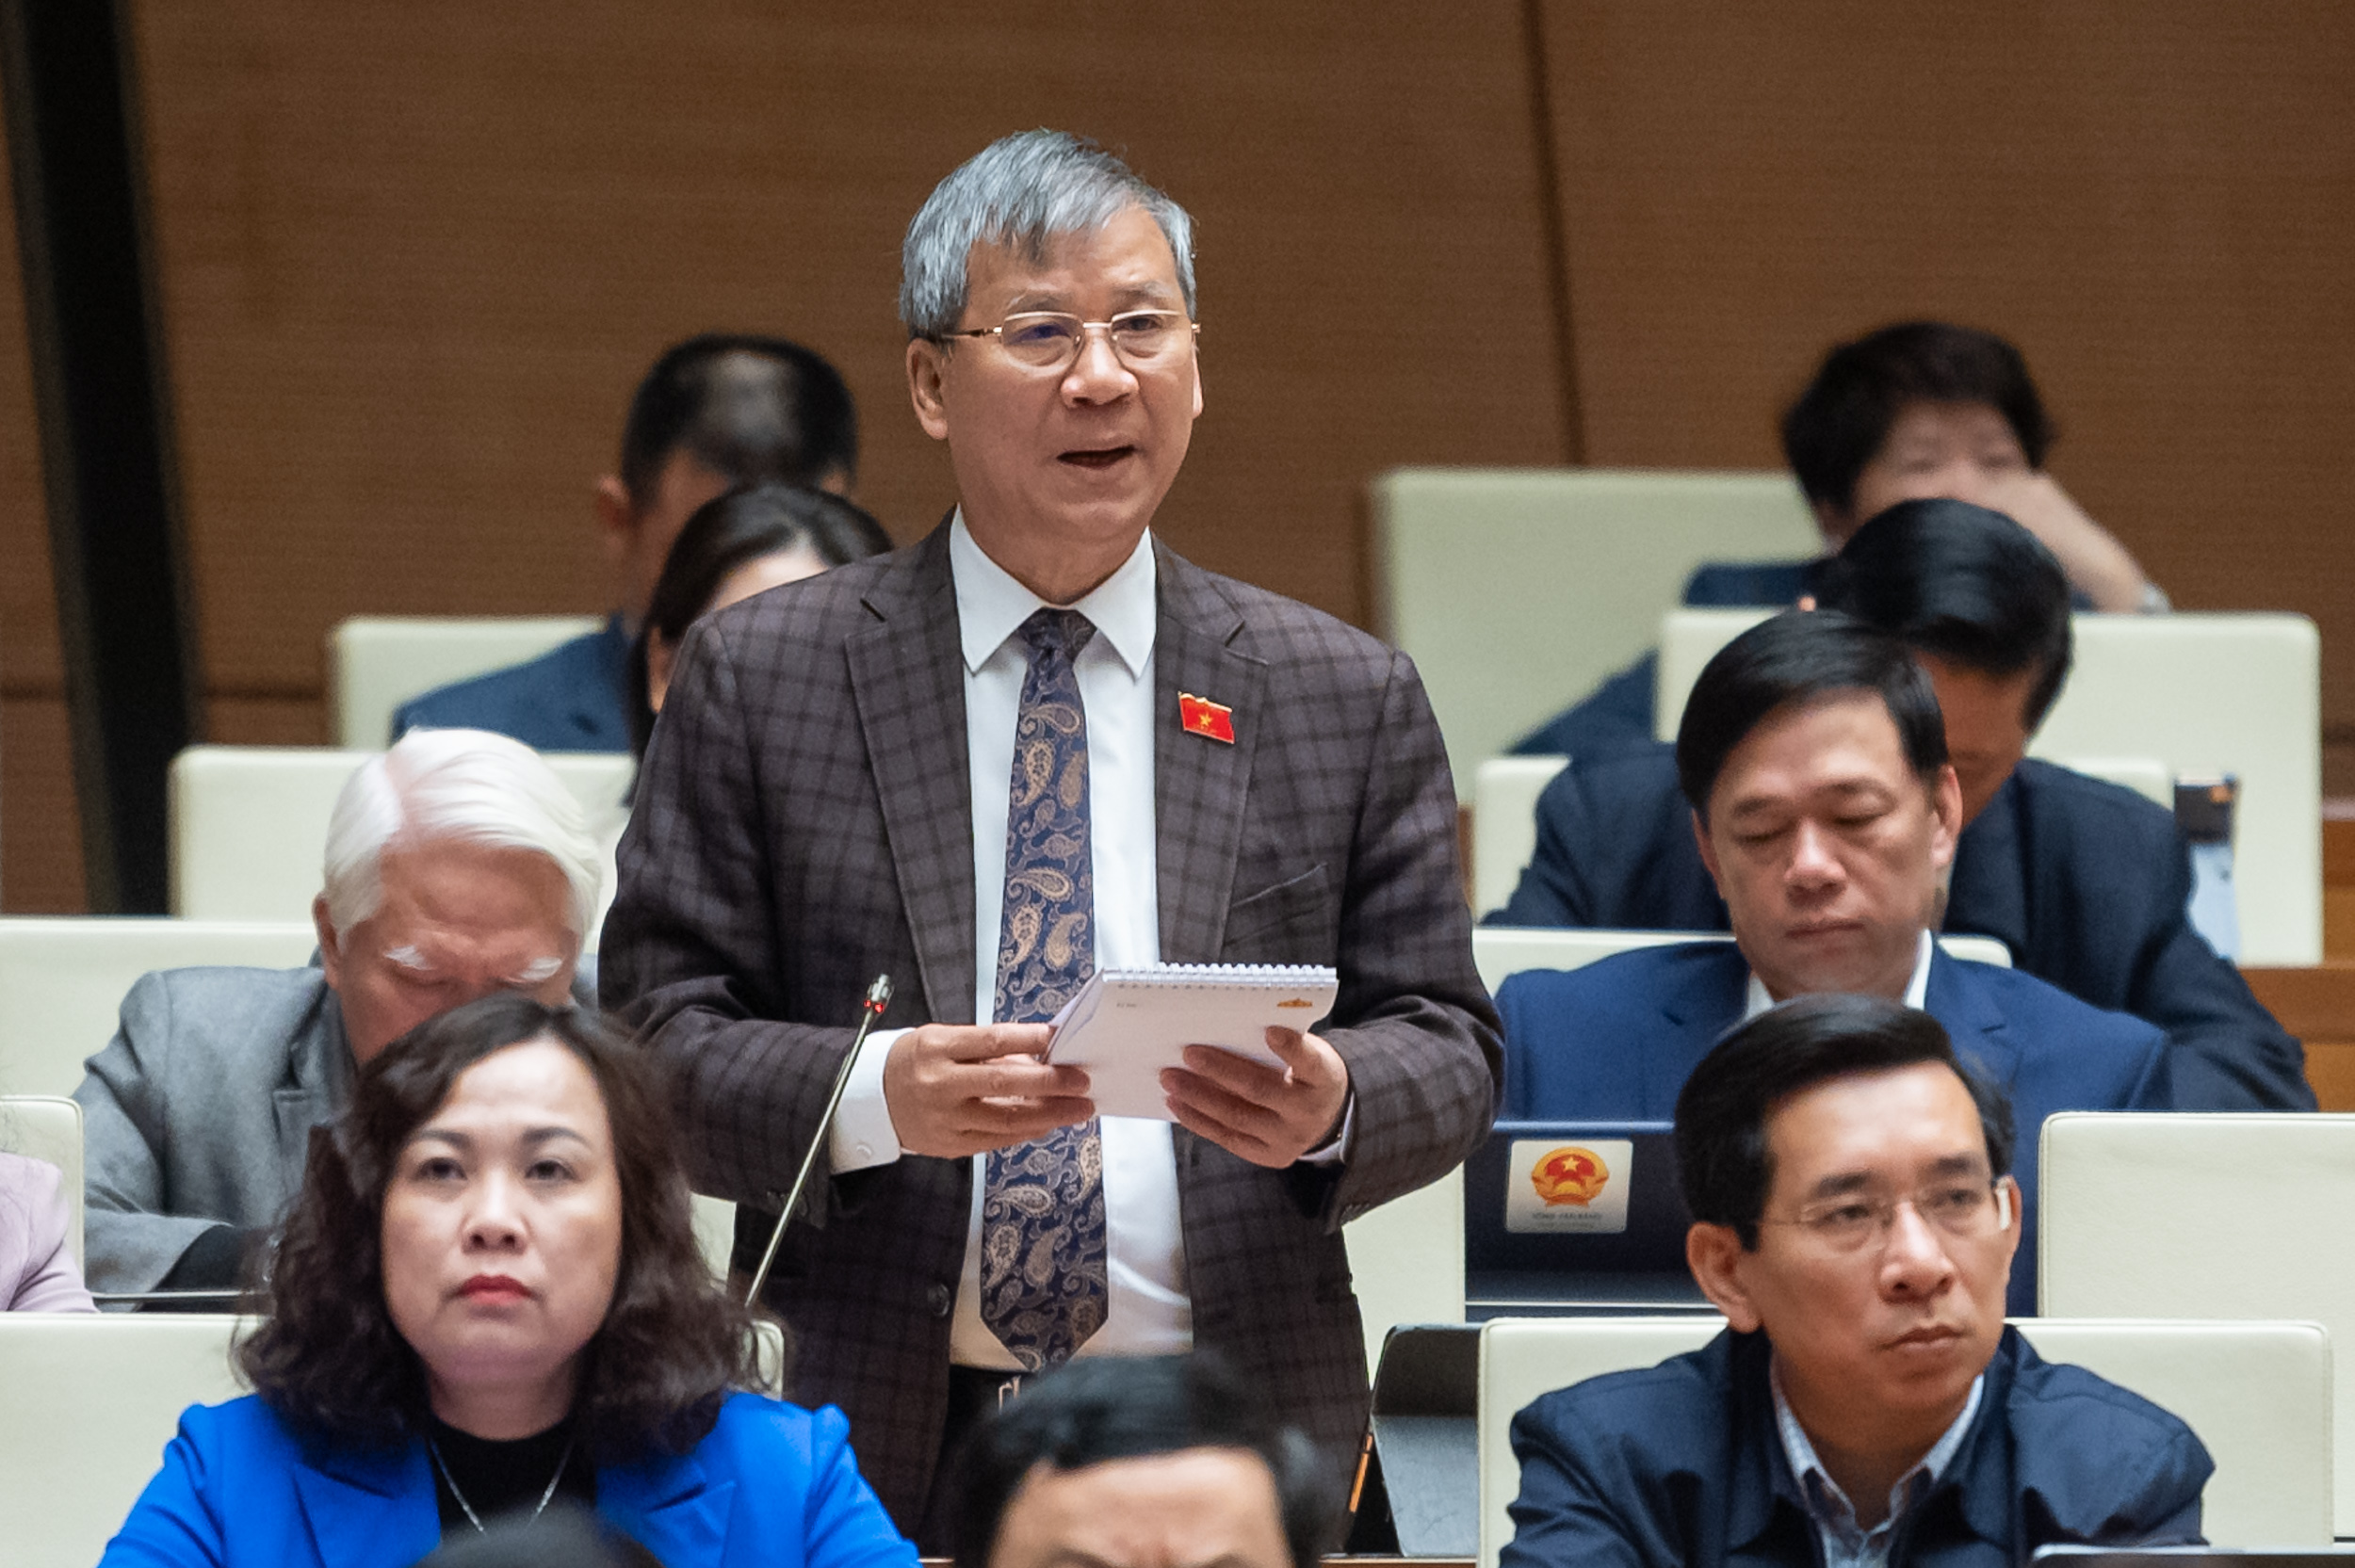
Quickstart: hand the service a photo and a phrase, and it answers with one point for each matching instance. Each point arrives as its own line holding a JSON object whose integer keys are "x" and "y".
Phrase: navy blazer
{"x": 1617, "y": 714}
{"x": 1679, "y": 1465}
{"x": 772, "y": 1486}
{"x": 572, "y": 698}
{"x": 1617, "y": 1039}
{"x": 2084, "y": 882}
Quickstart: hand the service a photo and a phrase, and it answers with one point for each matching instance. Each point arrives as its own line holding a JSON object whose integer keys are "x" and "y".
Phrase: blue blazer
{"x": 1679, "y": 1465}
{"x": 1617, "y": 1039}
{"x": 772, "y": 1486}
{"x": 572, "y": 698}
{"x": 2083, "y": 881}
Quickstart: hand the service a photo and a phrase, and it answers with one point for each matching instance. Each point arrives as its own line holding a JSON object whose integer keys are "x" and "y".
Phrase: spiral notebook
{"x": 1126, "y": 1024}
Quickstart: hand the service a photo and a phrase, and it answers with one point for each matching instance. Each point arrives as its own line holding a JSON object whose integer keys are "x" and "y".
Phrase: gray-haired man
{"x": 457, "y": 865}
{"x": 1034, "y": 744}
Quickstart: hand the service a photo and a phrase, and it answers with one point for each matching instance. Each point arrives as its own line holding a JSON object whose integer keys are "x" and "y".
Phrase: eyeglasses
{"x": 1052, "y": 340}
{"x": 1966, "y": 1210}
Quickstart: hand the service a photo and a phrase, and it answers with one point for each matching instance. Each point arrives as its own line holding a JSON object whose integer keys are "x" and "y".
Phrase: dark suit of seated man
{"x": 716, "y": 411}
{"x": 1815, "y": 762}
{"x": 1855, "y": 1220}
{"x": 1916, "y": 411}
{"x": 2083, "y": 881}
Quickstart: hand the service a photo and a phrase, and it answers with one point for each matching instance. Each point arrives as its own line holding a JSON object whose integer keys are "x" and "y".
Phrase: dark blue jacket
{"x": 1618, "y": 713}
{"x": 771, "y": 1487}
{"x": 1617, "y": 1039}
{"x": 572, "y": 698}
{"x": 1680, "y": 1466}
{"x": 2086, "y": 882}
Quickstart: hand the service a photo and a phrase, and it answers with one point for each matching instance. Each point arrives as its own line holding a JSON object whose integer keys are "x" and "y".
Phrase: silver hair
{"x": 1021, "y": 191}
{"x": 466, "y": 784}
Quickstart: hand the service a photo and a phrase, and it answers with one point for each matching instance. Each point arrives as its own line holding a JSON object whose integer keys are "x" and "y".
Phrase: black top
{"x": 505, "y": 1478}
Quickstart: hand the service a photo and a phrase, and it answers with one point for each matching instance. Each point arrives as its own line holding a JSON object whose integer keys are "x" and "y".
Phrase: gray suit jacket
{"x": 199, "y": 1111}
{"x": 802, "y": 823}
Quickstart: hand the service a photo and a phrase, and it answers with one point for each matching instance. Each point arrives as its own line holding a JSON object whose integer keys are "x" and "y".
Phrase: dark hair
{"x": 722, "y": 534}
{"x": 1110, "y": 1408}
{"x": 329, "y": 1360}
{"x": 1798, "y": 656}
{"x": 1964, "y": 583}
{"x": 1844, "y": 414}
{"x": 1723, "y": 1162}
{"x": 748, "y": 408}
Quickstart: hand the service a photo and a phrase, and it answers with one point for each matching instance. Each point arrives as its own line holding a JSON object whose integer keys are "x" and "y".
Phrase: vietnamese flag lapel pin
{"x": 1209, "y": 720}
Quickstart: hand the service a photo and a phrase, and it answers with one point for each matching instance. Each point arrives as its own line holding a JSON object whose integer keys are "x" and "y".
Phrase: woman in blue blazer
{"x": 488, "y": 1300}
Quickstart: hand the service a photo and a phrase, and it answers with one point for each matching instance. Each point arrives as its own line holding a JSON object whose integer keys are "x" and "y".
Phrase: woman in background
{"x": 747, "y": 541}
{"x": 488, "y": 1298}
{"x": 37, "y": 1268}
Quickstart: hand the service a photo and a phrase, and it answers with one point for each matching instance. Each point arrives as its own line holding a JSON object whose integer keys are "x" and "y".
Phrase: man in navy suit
{"x": 1826, "y": 809}
{"x": 2083, "y": 881}
{"x": 1853, "y": 1218}
{"x": 716, "y": 411}
{"x": 1914, "y": 410}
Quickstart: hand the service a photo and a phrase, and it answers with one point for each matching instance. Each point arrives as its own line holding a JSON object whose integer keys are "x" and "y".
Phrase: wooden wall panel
{"x": 415, "y": 257}
{"x": 2155, "y": 201}
{"x": 41, "y": 844}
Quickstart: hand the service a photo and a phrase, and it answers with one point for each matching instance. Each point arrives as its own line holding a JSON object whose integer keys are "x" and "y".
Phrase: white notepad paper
{"x": 1127, "y": 1024}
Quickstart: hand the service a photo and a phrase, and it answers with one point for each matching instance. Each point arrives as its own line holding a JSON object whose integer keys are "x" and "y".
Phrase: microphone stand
{"x": 878, "y": 998}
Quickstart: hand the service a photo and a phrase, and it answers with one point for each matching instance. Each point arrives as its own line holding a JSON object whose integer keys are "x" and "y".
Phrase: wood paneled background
{"x": 414, "y": 259}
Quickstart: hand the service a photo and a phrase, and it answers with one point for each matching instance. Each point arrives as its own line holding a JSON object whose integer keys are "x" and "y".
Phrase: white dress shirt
{"x": 1147, "y": 1312}
{"x": 1916, "y": 987}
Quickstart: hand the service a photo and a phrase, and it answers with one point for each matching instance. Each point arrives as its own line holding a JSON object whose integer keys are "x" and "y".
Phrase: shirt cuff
{"x": 1335, "y": 1149}
{"x": 863, "y": 1135}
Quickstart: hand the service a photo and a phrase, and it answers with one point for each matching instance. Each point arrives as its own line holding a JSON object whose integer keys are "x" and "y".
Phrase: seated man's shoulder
{"x": 1602, "y": 1000}
{"x": 207, "y": 1008}
{"x": 521, "y": 700}
{"x": 2086, "y": 1445}
{"x": 2052, "y": 1012}
{"x": 2054, "y": 796}
{"x": 1674, "y": 1416}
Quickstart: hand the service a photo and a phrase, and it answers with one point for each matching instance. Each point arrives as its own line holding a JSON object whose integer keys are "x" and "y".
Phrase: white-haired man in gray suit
{"x": 457, "y": 865}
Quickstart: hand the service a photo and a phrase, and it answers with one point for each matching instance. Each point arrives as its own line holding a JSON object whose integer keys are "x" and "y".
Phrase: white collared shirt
{"x": 1148, "y": 1312}
{"x": 1916, "y": 987}
{"x": 1847, "y": 1543}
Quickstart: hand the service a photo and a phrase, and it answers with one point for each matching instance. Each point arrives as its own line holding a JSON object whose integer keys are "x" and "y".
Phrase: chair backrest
{"x": 375, "y": 663}
{"x": 249, "y": 823}
{"x": 1407, "y": 1261}
{"x": 2256, "y": 1392}
{"x": 2203, "y": 1216}
{"x": 49, "y": 1127}
{"x": 2203, "y": 696}
{"x": 1516, "y": 592}
{"x": 1505, "y": 824}
{"x": 1501, "y": 951}
{"x": 92, "y": 1402}
{"x": 62, "y": 981}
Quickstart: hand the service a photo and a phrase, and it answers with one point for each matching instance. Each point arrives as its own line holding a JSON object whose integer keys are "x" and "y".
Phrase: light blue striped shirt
{"x": 1846, "y": 1544}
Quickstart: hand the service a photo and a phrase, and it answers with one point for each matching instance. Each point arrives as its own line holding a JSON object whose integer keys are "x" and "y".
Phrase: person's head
{"x": 496, "y": 1231}
{"x": 1064, "y": 438}
{"x": 1814, "y": 759}
{"x": 1983, "y": 606}
{"x": 1140, "y": 1462}
{"x": 718, "y": 410}
{"x": 733, "y": 547}
{"x": 1849, "y": 1182}
{"x": 458, "y": 864}
{"x": 566, "y": 1536}
{"x": 1913, "y": 410}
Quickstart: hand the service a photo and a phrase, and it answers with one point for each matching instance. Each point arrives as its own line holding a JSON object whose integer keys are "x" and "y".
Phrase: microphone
{"x": 878, "y": 998}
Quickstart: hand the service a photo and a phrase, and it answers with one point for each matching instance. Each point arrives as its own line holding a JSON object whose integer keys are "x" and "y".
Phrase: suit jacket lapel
{"x": 1698, "y": 1013}
{"x": 1975, "y": 1024}
{"x": 669, "y": 1507}
{"x": 1199, "y": 784}
{"x": 371, "y": 1509}
{"x": 907, "y": 676}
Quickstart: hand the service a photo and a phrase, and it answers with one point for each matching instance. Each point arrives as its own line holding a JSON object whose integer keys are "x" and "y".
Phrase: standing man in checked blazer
{"x": 1034, "y": 744}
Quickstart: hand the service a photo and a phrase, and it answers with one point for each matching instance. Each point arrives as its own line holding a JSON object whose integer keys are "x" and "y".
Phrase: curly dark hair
{"x": 329, "y": 1360}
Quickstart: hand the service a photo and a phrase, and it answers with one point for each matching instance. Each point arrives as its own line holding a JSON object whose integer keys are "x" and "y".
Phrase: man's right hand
{"x": 956, "y": 1090}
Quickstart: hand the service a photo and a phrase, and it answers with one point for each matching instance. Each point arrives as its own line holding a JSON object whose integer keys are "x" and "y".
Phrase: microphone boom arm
{"x": 878, "y": 998}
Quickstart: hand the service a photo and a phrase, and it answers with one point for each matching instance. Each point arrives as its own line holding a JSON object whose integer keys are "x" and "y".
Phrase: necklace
{"x": 475, "y": 1519}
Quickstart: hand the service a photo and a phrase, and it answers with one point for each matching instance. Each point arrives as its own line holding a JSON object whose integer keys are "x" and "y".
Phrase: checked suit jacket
{"x": 802, "y": 823}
